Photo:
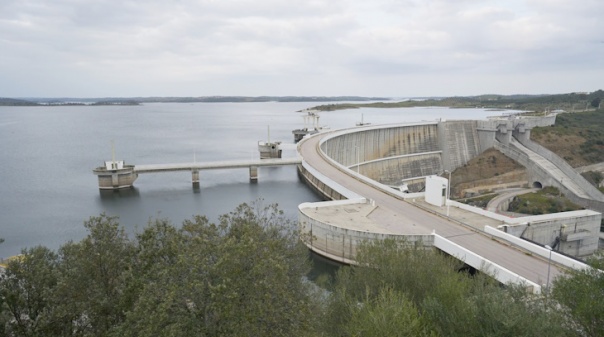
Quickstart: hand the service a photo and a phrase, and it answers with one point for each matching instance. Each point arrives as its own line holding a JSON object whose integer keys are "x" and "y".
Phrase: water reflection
{"x": 323, "y": 270}
{"x": 196, "y": 187}
{"x": 123, "y": 193}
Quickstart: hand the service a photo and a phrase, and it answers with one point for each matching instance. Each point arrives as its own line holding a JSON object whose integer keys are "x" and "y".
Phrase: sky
{"x": 388, "y": 48}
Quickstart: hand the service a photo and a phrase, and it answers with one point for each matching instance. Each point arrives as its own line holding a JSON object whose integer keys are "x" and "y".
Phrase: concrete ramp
{"x": 555, "y": 173}
{"x": 498, "y": 272}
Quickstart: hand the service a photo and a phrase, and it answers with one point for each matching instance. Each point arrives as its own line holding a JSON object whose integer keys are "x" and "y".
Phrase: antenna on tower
{"x": 113, "y": 165}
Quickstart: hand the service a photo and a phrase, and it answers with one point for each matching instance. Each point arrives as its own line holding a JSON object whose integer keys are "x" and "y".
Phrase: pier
{"x": 110, "y": 178}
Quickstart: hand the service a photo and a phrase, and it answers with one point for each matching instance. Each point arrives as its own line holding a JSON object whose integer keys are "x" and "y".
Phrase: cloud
{"x": 273, "y": 47}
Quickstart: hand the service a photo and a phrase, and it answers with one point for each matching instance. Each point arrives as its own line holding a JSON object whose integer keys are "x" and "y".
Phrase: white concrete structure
{"x": 436, "y": 190}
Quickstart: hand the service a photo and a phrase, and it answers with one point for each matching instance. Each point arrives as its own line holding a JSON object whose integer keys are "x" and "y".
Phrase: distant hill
{"x": 539, "y": 103}
{"x": 203, "y": 99}
{"x": 15, "y": 102}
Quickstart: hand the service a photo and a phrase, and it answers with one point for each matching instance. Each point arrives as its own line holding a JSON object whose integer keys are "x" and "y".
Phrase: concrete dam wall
{"x": 403, "y": 152}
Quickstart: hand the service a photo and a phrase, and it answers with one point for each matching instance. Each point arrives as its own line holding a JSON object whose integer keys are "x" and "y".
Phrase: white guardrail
{"x": 498, "y": 272}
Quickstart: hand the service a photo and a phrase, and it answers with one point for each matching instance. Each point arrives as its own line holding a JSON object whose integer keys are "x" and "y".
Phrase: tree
{"x": 581, "y": 294}
{"x": 596, "y": 102}
{"x": 95, "y": 279}
{"x": 391, "y": 313}
{"x": 25, "y": 291}
{"x": 432, "y": 296}
{"x": 240, "y": 277}
{"x": 409, "y": 272}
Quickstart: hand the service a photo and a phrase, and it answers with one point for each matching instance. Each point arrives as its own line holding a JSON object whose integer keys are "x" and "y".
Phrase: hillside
{"x": 576, "y": 137}
{"x": 489, "y": 171}
{"x": 538, "y": 103}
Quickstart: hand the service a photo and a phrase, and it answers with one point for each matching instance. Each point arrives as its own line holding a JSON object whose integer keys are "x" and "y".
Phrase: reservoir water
{"x": 48, "y": 153}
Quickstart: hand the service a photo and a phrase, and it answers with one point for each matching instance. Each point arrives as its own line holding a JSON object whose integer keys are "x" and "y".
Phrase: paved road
{"x": 401, "y": 217}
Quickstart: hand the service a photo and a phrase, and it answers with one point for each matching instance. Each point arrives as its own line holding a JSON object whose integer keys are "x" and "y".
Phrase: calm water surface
{"x": 48, "y": 153}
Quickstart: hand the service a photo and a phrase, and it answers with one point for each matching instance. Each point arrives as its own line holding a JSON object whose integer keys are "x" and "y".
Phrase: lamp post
{"x": 549, "y": 265}
{"x": 448, "y": 190}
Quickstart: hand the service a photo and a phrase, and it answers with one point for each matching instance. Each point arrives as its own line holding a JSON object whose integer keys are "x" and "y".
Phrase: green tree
{"x": 240, "y": 277}
{"x": 410, "y": 271}
{"x": 441, "y": 299}
{"x": 390, "y": 313}
{"x": 25, "y": 291}
{"x": 581, "y": 295}
{"x": 95, "y": 279}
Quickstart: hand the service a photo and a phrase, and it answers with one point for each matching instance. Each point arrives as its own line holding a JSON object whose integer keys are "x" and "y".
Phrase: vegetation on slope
{"x": 488, "y": 164}
{"x": 417, "y": 292}
{"x": 244, "y": 276}
{"x": 545, "y": 201}
{"x": 240, "y": 277}
{"x": 576, "y": 137}
{"x": 481, "y": 171}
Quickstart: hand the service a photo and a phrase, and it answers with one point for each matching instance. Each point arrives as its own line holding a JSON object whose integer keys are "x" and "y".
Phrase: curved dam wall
{"x": 389, "y": 154}
{"x": 339, "y": 242}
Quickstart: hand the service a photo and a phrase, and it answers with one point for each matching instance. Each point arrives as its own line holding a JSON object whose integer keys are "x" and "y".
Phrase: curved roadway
{"x": 400, "y": 217}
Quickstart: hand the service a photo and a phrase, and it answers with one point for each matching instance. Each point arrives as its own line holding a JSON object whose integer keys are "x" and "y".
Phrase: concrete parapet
{"x": 326, "y": 187}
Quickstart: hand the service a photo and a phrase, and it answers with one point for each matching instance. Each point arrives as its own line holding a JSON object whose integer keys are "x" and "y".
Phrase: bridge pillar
{"x": 195, "y": 177}
{"x": 253, "y": 173}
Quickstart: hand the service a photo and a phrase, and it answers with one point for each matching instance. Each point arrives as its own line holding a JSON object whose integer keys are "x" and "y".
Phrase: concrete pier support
{"x": 502, "y": 134}
{"x": 115, "y": 180}
{"x": 195, "y": 176}
{"x": 253, "y": 173}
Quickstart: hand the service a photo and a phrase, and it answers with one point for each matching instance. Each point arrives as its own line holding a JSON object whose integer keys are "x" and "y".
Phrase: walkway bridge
{"x": 347, "y": 166}
{"x": 124, "y": 176}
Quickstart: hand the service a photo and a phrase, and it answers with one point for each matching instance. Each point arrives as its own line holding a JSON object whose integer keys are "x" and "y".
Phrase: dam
{"x": 361, "y": 173}
{"x": 356, "y": 169}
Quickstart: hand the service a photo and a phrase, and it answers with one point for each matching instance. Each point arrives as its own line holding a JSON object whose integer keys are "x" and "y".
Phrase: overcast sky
{"x": 395, "y": 48}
